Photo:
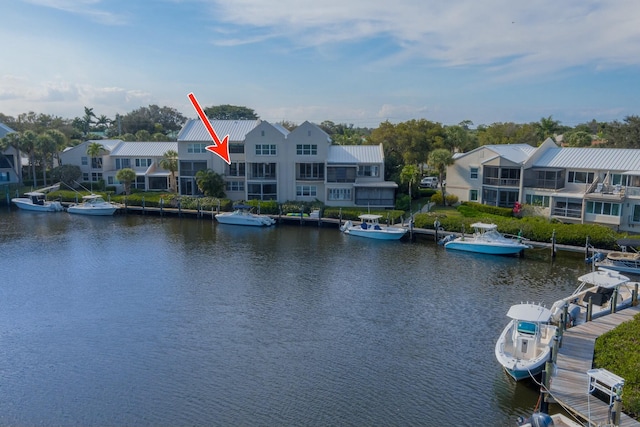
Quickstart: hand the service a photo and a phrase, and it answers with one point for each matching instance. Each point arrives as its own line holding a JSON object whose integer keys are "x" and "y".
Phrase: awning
{"x": 385, "y": 184}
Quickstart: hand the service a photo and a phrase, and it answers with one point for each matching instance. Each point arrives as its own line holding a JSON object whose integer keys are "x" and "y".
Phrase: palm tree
{"x": 60, "y": 140}
{"x": 94, "y": 150}
{"x": 87, "y": 119}
{"x": 45, "y": 146}
{"x": 28, "y": 144}
{"x": 210, "y": 183}
{"x": 409, "y": 174}
{"x": 169, "y": 162}
{"x": 439, "y": 159}
{"x": 126, "y": 176}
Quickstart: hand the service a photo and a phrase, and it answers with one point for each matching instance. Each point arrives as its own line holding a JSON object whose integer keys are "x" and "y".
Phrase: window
{"x": 143, "y": 163}
{"x": 85, "y": 177}
{"x": 234, "y": 186}
{"x": 84, "y": 161}
{"x": 236, "y": 148}
{"x": 123, "y": 163}
{"x": 4, "y": 176}
{"x": 96, "y": 176}
{"x": 341, "y": 174}
{"x": 603, "y": 208}
{"x": 262, "y": 191}
{"x": 310, "y": 171}
{"x": 306, "y": 190}
{"x": 236, "y": 169}
{"x": 580, "y": 177}
{"x": 190, "y": 168}
{"x": 6, "y": 162}
{"x": 265, "y": 149}
{"x": 473, "y": 195}
{"x": 262, "y": 171}
{"x": 306, "y": 149}
{"x": 473, "y": 173}
{"x": 636, "y": 213}
{"x": 368, "y": 170}
{"x": 195, "y": 148}
{"x": 339, "y": 194}
{"x": 96, "y": 163}
{"x": 536, "y": 200}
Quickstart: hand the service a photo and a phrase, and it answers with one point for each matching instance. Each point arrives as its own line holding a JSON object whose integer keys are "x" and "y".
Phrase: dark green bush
{"x": 618, "y": 351}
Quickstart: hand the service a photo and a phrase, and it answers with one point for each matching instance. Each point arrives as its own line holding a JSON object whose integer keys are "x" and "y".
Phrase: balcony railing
{"x": 501, "y": 182}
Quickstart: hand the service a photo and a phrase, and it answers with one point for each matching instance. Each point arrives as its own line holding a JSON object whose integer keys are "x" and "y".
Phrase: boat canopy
{"x": 484, "y": 226}
{"x": 529, "y": 313}
{"x": 634, "y": 243}
{"x": 369, "y": 217}
{"x": 242, "y": 207}
{"x": 604, "y": 278}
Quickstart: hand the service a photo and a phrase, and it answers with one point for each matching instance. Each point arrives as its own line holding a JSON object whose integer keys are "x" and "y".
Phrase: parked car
{"x": 429, "y": 182}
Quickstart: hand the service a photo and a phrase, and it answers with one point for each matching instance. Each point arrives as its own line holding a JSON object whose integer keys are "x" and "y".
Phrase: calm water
{"x": 145, "y": 321}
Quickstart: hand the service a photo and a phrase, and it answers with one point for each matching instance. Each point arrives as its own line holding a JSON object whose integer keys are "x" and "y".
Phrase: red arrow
{"x": 221, "y": 148}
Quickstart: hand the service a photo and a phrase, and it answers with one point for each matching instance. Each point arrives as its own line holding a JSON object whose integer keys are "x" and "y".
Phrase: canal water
{"x": 146, "y": 321}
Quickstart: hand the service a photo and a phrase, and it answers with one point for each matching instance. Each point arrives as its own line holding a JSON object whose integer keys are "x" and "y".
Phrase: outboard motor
{"x": 537, "y": 419}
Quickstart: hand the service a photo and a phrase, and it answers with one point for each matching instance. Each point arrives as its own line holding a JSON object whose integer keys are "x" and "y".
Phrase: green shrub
{"x": 402, "y": 202}
{"x": 451, "y": 199}
{"x": 618, "y": 351}
{"x": 437, "y": 198}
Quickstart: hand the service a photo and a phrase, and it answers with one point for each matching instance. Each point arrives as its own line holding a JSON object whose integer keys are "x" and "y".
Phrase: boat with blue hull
{"x": 370, "y": 227}
{"x": 242, "y": 215}
{"x": 525, "y": 343}
{"x": 487, "y": 240}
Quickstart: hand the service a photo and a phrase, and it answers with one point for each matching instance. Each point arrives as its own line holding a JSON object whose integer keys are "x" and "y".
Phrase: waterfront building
{"x": 143, "y": 157}
{"x": 574, "y": 185}
{"x": 268, "y": 162}
{"x": 10, "y": 161}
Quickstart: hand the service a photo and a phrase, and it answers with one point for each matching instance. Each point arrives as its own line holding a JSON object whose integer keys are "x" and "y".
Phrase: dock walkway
{"x": 570, "y": 382}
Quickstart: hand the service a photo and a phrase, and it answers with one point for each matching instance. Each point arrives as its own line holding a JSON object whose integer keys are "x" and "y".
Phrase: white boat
{"x": 601, "y": 287}
{"x": 625, "y": 261}
{"x": 487, "y": 240}
{"x": 93, "y": 204}
{"x": 36, "y": 201}
{"x": 370, "y": 227}
{"x": 242, "y": 215}
{"x": 525, "y": 343}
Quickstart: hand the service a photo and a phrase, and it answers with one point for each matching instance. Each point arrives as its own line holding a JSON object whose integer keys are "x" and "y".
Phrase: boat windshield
{"x": 527, "y": 327}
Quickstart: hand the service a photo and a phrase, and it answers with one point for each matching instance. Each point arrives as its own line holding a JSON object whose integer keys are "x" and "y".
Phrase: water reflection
{"x": 136, "y": 320}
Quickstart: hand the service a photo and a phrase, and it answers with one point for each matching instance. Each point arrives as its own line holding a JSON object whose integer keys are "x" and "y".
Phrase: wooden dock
{"x": 570, "y": 382}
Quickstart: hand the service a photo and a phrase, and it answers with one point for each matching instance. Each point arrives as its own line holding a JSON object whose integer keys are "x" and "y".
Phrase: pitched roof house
{"x": 584, "y": 185}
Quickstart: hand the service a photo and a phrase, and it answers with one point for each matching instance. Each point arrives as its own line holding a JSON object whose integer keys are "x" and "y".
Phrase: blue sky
{"x": 355, "y": 61}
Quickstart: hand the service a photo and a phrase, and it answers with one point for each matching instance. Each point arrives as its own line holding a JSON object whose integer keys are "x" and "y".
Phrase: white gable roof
{"x": 516, "y": 153}
{"x": 614, "y": 159}
{"x": 353, "y": 154}
{"x": 143, "y": 149}
{"x": 194, "y": 130}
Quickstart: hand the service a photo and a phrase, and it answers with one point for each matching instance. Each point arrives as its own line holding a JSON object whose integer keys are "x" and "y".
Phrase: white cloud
{"x": 539, "y": 36}
{"x": 89, "y": 8}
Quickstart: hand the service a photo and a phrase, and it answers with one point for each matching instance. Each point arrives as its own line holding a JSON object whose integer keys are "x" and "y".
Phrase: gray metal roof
{"x": 4, "y": 130}
{"x": 194, "y": 130}
{"x": 516, "y": 153}
{"x": 351, "y": 154}
{"x": 611, "y": 159}
{"x": 143, "y": 149}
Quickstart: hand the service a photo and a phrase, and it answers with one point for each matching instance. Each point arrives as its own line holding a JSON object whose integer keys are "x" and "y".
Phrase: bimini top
{"x": 484, "y": 226}
{"x": 529, "y": 313}
{"x": 243, "y": 207}
{"x": 604, "y": 278}
{"x": 369, "y": 217}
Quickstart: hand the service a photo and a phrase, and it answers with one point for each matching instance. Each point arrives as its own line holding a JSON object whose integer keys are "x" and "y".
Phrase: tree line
{"x": 412, "y": 143}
